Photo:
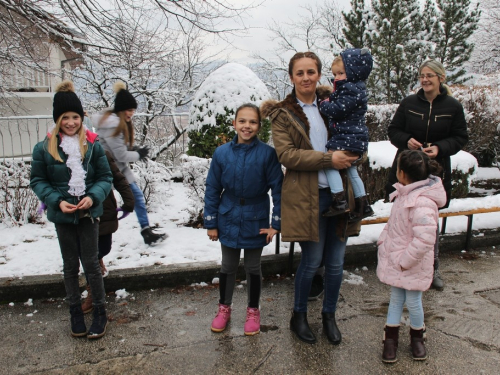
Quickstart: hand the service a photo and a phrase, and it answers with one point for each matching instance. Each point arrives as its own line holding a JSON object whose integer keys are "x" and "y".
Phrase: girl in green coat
{"x": 71, "y": 175}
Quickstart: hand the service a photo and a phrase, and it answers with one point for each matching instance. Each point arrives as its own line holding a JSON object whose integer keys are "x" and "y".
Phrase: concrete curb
{"x": 152, "y": 277}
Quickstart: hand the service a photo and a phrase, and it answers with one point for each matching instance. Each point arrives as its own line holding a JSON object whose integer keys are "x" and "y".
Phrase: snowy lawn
{"x": 34, "y": 250}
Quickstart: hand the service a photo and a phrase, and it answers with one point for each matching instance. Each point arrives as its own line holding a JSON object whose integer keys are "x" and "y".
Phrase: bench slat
{"x": 381, "y": 220}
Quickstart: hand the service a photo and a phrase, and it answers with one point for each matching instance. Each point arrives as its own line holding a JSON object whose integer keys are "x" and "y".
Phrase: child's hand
{"x": 270, "y": 233}
{"x": 85, "y": 204}
{"x": 213, "y": 234}
{"x": 67, "y": 208}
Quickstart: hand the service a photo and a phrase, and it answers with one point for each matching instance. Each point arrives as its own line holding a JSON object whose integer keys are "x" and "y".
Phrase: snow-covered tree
{"x": 458, "y": 20}
{"x": 214, "y": 105}
{"x": 396, "y": 43}
{"x": 356, "y": 22}
{"x": 486, "y": 54}
{"x": 318, "y": 30}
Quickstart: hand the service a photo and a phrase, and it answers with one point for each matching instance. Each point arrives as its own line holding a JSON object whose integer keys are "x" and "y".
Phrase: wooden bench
{"x": 382, "y": 220}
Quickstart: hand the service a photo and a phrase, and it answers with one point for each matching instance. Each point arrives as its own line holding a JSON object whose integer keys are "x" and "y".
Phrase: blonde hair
{"x": 123, "y": 127}
{"x": 53, "y": 146}
{"x": 337, "y": 60}
{"x": 437, "y": 68}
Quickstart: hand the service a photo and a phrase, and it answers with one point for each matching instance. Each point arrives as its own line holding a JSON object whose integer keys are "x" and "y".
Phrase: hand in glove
{"x": 124, "y": 213}
{"x": 143, "y": 152}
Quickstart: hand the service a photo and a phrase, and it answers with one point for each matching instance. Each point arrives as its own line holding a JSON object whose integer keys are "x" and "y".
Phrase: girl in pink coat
{"x": 406, "y": 247}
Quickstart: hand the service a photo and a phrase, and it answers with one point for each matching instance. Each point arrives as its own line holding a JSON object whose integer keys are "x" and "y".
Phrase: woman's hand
{"x": 67, "y": 208}
{"x": 270, "y": 232}
{"x": 343, "y": 159}
{"x": 431, "y": 151}
{"x": 85, "y": 204}
{"x": 213, "y": 234}
{"x": 413, "y": 144}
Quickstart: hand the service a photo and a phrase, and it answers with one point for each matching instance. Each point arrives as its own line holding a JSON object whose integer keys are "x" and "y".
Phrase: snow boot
{"x": 221, "y": 319}
{"x": 362, "y": 210}
{"x": 87, "y": 306}
{"x": 417, "y": 337}
{"x": 391, "y": 338}
{"x": 78, "y": 328}
{"x": 99, "y": 323}
{"x": 437, "y": 281}
{"x": 252, "y": 324}
{"x": 339, "y": 205}
{"x": 150, "y": 237}
{"x": 300, "y": 326}
{"x": 330, "y": 328}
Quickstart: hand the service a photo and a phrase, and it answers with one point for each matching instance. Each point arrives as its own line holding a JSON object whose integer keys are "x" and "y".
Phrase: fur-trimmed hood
{"x": 270, "y": 108}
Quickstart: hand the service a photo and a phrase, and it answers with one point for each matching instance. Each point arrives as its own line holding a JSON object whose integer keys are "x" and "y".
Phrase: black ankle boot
{"x": 362, "y": 210}
{"x": 151, "y": 237}
{"x": 99, "y": 323}
{"x": 78, "y": 328}
{"x": 330, "y": 328}
{"x": 339, "y": 205}
{"x": 300, "y": 326}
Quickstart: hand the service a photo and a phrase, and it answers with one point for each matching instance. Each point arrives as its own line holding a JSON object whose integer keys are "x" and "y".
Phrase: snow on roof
{"x": 229, "y": 86}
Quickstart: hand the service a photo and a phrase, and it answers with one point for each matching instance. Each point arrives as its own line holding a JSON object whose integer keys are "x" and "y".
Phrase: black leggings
{"x": 227, "y": 279}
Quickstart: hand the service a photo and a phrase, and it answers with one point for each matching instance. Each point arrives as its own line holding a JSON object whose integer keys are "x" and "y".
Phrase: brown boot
{"x": 417, "y": 344}
{"x": 391, "y": 338}
{"x": 87, "y": 306}
{"x": 362, "y": 210}
{"x": 339, "y": 205}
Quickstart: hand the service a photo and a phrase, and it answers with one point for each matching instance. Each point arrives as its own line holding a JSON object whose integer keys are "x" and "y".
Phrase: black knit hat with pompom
{"x": 65, "y": 100}
{"x": 124, "y": 99}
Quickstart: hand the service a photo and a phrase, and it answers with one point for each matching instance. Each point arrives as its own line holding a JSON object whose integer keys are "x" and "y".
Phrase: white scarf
{"x": 71, "y": 147}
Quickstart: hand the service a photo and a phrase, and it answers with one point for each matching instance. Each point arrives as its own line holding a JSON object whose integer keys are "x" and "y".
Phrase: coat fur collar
{"x": 271, "y": 108}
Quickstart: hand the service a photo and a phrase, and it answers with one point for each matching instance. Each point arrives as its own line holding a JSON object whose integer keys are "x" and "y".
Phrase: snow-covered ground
{"x": 34, "y": 250}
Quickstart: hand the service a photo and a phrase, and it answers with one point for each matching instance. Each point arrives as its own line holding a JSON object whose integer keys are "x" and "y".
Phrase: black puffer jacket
{"x": 441, "y": 123}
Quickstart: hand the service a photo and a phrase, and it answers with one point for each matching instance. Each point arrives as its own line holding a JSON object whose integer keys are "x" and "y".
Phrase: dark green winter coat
{"x": 49, "y": 179}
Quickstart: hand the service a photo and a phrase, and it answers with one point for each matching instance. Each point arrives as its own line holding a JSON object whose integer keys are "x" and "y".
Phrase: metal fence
{"x": 19, "y": 134}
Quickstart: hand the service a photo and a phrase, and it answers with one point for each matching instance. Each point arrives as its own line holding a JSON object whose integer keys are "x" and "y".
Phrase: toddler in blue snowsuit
{"x": 346, "y": 108}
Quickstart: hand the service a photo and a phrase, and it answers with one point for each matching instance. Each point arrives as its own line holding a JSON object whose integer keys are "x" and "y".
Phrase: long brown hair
{"x": 124, "y": 127}
{"x": 52, "y": 146}
{"x": 301, "y": 55}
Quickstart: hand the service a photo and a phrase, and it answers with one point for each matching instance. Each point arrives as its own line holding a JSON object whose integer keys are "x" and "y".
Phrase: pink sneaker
{"x": 222, "y": 318}
{"x": 252, "y": 324}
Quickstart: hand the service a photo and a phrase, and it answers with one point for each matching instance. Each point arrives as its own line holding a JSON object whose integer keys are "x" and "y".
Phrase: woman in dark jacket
{"x": 433, "y": 121}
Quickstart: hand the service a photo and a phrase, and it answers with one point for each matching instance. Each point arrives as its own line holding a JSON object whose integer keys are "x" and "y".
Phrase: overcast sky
{"x": 270, "y": 12}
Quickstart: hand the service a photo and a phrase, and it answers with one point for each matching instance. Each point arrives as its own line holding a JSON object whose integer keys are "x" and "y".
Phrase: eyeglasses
{"x": 428, "y": 76}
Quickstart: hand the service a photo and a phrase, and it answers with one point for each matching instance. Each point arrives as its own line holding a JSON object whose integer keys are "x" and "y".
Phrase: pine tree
{"x": 457, "y": 22}
{"x": 356, "y": 21}
{"x": 395, "y": 34}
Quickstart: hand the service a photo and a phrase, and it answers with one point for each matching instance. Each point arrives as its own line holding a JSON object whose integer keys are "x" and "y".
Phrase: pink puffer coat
{"x": 408, "y": 238}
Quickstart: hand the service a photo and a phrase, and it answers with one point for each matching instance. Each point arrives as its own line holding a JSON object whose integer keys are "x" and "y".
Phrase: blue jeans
{"x": 331, "y": 250}
{"x": 335, "y": 181}
{"x": 140, "y": 205}
{"x": 413, "y": 299}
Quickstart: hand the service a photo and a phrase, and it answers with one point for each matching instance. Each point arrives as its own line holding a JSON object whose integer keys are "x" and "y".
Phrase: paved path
{"x": 166, "y": 331}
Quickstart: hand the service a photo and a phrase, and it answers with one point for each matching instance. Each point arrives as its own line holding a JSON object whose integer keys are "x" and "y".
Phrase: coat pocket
{"x": 224, "y": 217}
{"x": 253, "y": 222}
